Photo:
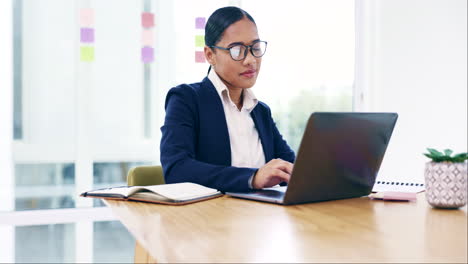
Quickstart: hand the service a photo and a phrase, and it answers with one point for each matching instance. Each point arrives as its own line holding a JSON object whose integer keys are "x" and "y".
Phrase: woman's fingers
{"x": 272, "y": 173}
{"x": 283, "y": 165}
{"x": 282, "y": 175}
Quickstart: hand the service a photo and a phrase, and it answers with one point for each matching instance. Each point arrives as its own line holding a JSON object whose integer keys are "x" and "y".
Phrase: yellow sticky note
{"x": 87, "y": 53}
{"x": 199, "y": 41}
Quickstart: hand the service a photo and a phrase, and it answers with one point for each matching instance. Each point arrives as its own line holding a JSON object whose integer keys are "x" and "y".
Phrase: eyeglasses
{"x": 239, "y": 51}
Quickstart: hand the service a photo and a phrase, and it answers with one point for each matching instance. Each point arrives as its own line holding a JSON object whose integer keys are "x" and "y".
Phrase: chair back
{"x": 142, "y": 176}
{"x": 145, "y": 175}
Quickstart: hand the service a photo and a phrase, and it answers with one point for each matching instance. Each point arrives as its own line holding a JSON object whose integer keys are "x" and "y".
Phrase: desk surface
{"x": 227, "y": 229}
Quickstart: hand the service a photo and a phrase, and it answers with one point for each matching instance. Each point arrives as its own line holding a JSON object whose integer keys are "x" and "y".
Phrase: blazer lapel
{"x": 212, "y": 107}
{"x": 265, "y": 138}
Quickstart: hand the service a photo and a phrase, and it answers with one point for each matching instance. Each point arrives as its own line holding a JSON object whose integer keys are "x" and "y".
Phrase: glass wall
{"x": 309, "y": 64}
{"x": 56, "y": 243}
{"x": 45, "y": 243}
{"x": 112, "y": 243}
{"x": 91, "y": 116}
{"x": 89, "y": 83}
{"x": 44, "y": 186}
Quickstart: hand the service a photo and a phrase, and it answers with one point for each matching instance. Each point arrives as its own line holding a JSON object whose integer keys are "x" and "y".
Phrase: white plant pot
{"x": 446, "y": 184}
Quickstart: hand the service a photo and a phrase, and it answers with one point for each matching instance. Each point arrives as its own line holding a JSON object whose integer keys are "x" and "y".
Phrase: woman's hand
{"x": 272, "y": 173}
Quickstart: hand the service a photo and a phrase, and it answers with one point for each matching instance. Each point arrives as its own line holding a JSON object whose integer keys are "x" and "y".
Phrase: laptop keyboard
{"x": 271, "y": 193}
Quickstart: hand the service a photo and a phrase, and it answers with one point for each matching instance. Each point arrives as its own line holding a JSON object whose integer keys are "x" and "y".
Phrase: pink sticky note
{"x": 200, "y": 57}
{"x": 147, "y": 19}
{"x": 86, "y": 17}
{"x": 147, "y": 37}
{"x": 147, "y": 54}
{"x": 200, "y": 22}
{"x": 87, "y": 35}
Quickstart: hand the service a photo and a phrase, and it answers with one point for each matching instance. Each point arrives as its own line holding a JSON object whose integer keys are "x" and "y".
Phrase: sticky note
{"x": 147, "y": 37}
{"x": 147, "y": 19}
{"x": 200, "y": 57}
{"x": 199, "y": 41}
{"x": 147, "y": 54}
{"x": 86, "y": 17}
{"x": 200, "y": 22}
{"x": 87, "y": 53}
{"x": 87, "y": 35}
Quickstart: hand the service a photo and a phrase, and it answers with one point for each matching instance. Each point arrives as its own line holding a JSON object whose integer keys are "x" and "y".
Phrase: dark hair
{"x": 220, "y": 20}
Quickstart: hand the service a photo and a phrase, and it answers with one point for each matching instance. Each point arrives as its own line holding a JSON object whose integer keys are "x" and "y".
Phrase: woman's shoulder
{"x": 192, "y": 88}
{"x": 189, "y": 93}
{"x": 262, "y": 107}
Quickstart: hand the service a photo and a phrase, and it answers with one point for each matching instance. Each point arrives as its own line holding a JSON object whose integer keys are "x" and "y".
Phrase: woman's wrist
{"x": 251, "y": 180}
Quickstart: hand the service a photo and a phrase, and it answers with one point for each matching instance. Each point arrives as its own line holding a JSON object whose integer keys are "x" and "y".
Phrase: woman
{"x": 216, "y": 133}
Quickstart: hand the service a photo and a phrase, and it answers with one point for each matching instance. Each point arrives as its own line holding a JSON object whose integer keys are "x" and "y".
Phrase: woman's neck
{"x": 234, "y": 93}
{"x": 236, "y": 97}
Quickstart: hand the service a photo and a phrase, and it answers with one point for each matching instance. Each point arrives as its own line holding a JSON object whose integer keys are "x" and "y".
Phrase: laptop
{"x": 339, "y": 157}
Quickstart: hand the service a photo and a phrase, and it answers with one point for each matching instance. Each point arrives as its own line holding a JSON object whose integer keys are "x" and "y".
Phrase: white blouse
{"x": 246, "y": 147}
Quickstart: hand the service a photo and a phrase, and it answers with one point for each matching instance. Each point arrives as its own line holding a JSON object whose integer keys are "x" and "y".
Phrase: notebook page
{"x": 182, "y": 191}
{"x": 124, "y": 190}
{"x": 147, "y": 195}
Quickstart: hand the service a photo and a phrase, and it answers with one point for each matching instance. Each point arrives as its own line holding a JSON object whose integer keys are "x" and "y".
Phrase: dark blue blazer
{"x": 195, "y": 144}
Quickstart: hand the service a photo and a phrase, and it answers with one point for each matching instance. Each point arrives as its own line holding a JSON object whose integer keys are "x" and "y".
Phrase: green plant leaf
{"x": 448, "y": 152}
{"x": 461, "y": 157}
{"x": 428, "y": 155}
{"x": 435, "y": 152}
{"x": 438, "y": 156}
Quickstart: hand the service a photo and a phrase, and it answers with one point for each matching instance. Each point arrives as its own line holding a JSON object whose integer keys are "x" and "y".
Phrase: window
{"x": 87, "y": 109}
{"x": 309, "y": 63}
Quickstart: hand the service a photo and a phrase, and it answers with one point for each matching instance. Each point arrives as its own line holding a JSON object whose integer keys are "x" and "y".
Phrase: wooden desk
{"x": 227, "y": 229}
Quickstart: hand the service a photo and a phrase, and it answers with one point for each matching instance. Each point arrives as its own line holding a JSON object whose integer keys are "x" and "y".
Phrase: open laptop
{"x": 339, "y": 157}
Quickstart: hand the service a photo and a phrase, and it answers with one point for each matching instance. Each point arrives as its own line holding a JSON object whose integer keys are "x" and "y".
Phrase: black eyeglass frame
{"x": 247, "y": 48}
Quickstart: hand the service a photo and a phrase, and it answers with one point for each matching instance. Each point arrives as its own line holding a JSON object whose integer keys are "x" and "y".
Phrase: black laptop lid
{"x": 339, "y": 156}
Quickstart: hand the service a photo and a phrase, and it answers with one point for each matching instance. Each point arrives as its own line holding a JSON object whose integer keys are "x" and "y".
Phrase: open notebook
{"x": 175, "y": 193}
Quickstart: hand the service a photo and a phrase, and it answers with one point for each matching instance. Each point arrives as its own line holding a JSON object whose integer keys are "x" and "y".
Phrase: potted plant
{"x": 446, "y": 179}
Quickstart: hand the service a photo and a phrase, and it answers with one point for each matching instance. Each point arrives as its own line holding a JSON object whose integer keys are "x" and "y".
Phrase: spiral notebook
{"x": 398, "y": 186}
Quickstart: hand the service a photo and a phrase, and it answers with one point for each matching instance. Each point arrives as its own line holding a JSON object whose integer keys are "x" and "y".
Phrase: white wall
{"x": 415, "y": 64}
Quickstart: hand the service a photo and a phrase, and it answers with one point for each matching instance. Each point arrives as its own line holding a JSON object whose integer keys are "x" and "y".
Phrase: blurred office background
{"x": 76, "y": 114}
